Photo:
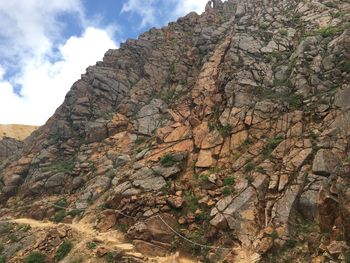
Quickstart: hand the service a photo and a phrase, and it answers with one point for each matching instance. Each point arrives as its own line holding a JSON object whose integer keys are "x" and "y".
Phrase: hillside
{"x": 16, "y": 131}
{"x": 222, "y": 137}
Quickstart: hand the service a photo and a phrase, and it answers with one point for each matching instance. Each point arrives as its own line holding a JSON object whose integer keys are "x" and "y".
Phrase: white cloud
{"x": 45, "y": 84}
{"x": 30, "y": 27}
{"x": 45, "y": 64}
{"x": 144, "y": 8}
{"x": 183, "y": 7}
{"x": 158, "y": 12}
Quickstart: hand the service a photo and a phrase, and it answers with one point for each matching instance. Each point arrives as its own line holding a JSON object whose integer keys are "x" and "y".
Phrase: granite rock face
{"x": 232, "y": 126}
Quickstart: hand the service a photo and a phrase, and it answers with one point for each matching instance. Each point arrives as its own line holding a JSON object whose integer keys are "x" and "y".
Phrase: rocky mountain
{"x": 222, "y": 136}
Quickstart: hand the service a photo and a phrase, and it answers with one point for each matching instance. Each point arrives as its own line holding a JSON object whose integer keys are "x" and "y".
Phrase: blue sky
{"x": 46, "y": 45}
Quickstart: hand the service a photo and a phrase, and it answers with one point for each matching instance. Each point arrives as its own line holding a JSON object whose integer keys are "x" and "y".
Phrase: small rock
{"x": 176, "y": 201}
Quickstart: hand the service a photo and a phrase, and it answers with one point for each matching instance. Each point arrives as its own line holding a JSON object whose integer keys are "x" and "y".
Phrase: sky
{"x": 45, "y": 46}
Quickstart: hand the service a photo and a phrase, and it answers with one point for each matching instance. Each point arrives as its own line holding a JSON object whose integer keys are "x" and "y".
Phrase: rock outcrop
{"x": 230, "y": 128}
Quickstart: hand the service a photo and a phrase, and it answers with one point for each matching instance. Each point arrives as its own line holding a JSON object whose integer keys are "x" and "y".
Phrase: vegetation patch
{"x": 35, "y": 257}
{"x": 91, "y": 245}
{"x": 63, "y": 250}
{"x": 24, "y": 227}
{"x": 330, "y": 31}
{"x": 225, "y": 130}
{"x": 61, "y": 204}
{"x": 140, "y": 140}
{"x": 229, "y": 180}
{"x": 283, "y": 32}
{"x": 331, "y": 4}
{"x": 261, "y": 170}
{"x": 344, "y": 66}
{"x": 167, "y": 160}
{"x": 249, "y": 167}
{"x": 60, "y": 166}
{"x": 5, "y": 228}
{"x": 203, "y": 216}
{"x": 191, "y": 202}
{"x": 271, "y": 145}
{"x": 75, "y": 212}
{"x": 291, "y": 99}
{"x": 215, "y": 124}
{"x": 2, "y": 259}
{"x": 59, "y": 216}
{"x": 226, "y": 191}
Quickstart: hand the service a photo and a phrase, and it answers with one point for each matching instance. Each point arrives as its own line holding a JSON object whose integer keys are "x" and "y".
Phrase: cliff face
{"x": 232, "y": 125}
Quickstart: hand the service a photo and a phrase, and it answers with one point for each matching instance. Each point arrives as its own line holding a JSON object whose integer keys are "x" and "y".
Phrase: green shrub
{"x": 247, "y": 142}
{"x": 225, "y": 130}
{"x": 167, "y": 160}
{"x": 2, "y": 248}
{"x": 2, "y": 259}
{"x": 204, "y": 215}
{"x": 59, "y": 216}
{"x": 91, "y": 245}
{"x": 289, "y": 244}
{"x": 140, "y": 140}
{"x": 330, "y": 5}
{"x": 261, "y": 170}
{"x": 75, "y": 212}
{"x": 5, "y": 228}
{"x": 283, "y": 32}
{"x": 169, "y": 96}
{"x": 274, "y": 235}
{"x": 24, "y": 227}
{"x": 344, "y": 66}
{"x": 61, "y": 204}
{"x": 191, "y": 201}
{"x": 339, "y": 14}
{"x": 226, "y": 191}
{"x": 250, "y": 179}
{"x": 35, "y": 257}
{"x": 329, "y": 31}
{"x": 290, "y": 98}
{"x": 61, "y": 166}
{"x": 14, "y": 238}
{"x": 271, "y": 145}
{"x": 63, "y": 250}
{"x": 230, "y": 180}
{"x": 249, "y": 167}
{"x": 204, "y": 177}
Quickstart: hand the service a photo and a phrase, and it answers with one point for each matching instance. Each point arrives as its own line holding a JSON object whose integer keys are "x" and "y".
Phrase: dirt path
{"x": 86, "y": 233}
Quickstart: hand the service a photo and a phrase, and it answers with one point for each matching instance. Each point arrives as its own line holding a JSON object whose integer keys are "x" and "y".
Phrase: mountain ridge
{"x": 232, "y": 125}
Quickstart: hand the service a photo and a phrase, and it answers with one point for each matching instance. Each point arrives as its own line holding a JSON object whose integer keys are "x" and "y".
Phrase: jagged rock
{"x": 175, "y": 201}
{"x": 96, "y": 131}
{"x": 325, "y": 163}
{"x": 107, "y": 220}
{"x": 56, "y": 180}
{"x": 148, "y": 118}
{"x": 337, "y": 247}
{"x": 205, "y": 159}
{"x": 146, "y": 179}
{"x": 167, "y": 172}
{"x": 8, "y": 146}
